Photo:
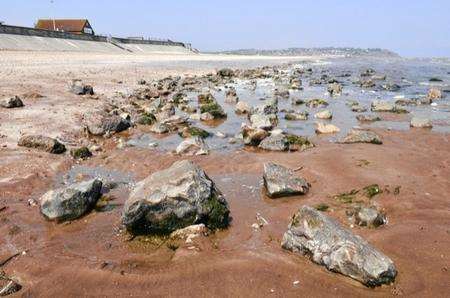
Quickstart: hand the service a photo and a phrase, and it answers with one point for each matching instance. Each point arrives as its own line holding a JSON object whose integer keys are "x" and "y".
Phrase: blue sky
{"x": 414, "y": 28}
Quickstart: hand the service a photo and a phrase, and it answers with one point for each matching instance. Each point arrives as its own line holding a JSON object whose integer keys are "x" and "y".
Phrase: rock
{"x": 253, "y": 136}
{"x": 315, "y": 103}
{"x": 206, "y": 117}
{"x": 262, "y": 121}
{"x": 296, "y": 84}
{"x": 384, "y": 106}
{"x": 421, "y": 122}
{"x": 81, "y": 153}
{"x": 391, "y": 87}
{"x": 275, "y": 142}
{"x": 146, "y": 119}
{"x": 326, "y": 128}
{"x": 12, "y": 102}
{"x": 269, "y": 107}
{"x": 214, "y": 109}
{"x": 361, "y": 136}
{"x": 296, "y": 116}
{"x": 225, "y": 73}
{"x": 298, "y": 143}
{"x": 205, "y": 98}
{"x": 434, "y": 94}
{"x": 71, "y": 202}
{"x": 334, "y": 89}
{"x": 193, "y": 131}
{"x": 325, "y": 114}
{"x": 231, "y": 95}
{"x": 193, "y": 146}
{"x": 242, "y": 108}
{"x": 159, "y": 128}
{"x": 369, "y": 217}
{"x": 367, "y": 118}
{"x": 366, "y": 84}
{"x": 175, "y": 198}
{"x": 101, "y": 123}
{"x": 43, "y": 143}
{"x": 189, "y": 232}
{"x": 358, "y": 109}
{"x": 281, "y": 92}
{"x": 281, "y": 181}
{"x": 314, "y": 234}
{"x": 77, "y": 87}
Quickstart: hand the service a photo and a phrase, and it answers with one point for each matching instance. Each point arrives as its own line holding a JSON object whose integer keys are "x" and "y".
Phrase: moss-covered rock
{"x": 147, "y": 119}
{"x": 214, "y": 109}
{"x": 81, "y": 153}
{"x": 193, "y": 131}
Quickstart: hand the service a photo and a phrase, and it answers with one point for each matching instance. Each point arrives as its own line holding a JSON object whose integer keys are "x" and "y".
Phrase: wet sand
{"x": 92, "y": 256}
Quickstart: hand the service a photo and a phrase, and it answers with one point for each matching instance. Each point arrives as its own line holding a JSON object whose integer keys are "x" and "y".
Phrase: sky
{"x": 414, "y": 28}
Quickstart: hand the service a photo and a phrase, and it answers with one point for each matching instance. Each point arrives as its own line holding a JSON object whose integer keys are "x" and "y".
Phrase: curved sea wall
{"x": 15, "y": 38}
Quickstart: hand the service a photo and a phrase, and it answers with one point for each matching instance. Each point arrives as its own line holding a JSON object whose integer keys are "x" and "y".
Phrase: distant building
{"x": 71, "y": 26}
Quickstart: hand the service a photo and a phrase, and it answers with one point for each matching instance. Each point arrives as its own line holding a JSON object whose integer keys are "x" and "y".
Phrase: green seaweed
{"x": 147, "y": 119}
{"x": 322, "y": 207}
{"x": 195, "y": 131}
{"x": 346, "y": 197}
{"x": 372, "y": 190}
{"x": 218, "y": 213}
{"x": 81, "y": 153}
{"x": 214, "y": 109}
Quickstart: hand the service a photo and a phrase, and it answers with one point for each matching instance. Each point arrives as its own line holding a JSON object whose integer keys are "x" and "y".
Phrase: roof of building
{"x": 61, "y": 24}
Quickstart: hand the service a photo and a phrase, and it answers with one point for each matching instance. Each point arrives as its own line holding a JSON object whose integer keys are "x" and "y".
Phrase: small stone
{"x": 159, "y": 128}
{"x": 369, "y": 217}
{"x": 326, "y": 128}
{"x": 421, "y": 122}
{"x": 434, "y": 94}
{"x": 368, "y": 118}
{"x": 12, "y": 102}
{"x": 275, "y": 142}
{"x": 77, "y": 87}
{"x": 242, "y": 108}
{"x": 325, "y": 114}
{"x": 193, "y": 146}
{"x": 334, "y": 89}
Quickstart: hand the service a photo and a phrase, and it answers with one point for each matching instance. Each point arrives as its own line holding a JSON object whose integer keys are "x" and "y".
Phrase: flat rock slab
{"x": 361, "y": 136}
{"x": 327, "y": 243}
{"x": 281, "y": 181}
{"x": 47, "y": 144}
{"x": 71, "y": 202}
{"x": 175, "y": 198}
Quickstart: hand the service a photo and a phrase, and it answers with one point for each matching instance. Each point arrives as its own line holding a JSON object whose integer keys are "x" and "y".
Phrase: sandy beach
{"x": 94, "y": 256}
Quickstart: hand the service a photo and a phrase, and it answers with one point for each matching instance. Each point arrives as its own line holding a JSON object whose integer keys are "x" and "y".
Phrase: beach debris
{"x": 175, "y": 198}
{"x": 323, "y": 128}
{"x": 311, "y": 232}
{"x": 71, "y": 202}
{"x": 419, "y": 122}
{"x": 77, "y": 87}
{"x": 280, "y": 181}
{"x": 11, "y": 102}
{"x": 361, "y": 136}
{"x": 192, "y": 146}
{"x": 325, "y": 114}
{"x": 40, "y": 142}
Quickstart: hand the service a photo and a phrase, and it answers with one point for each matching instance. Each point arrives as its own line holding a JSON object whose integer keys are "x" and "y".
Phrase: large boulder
{"x": 281, "y": 181}
{"x": 71, "y": 202}
{"x": 174, "y": 198}
{"x": 46, "y": 144}
{"x": 327, "y": 243}
{"x": 361, "y": 136}
{"x": 11, "y": 102}
{"x": 101, "y": 123}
